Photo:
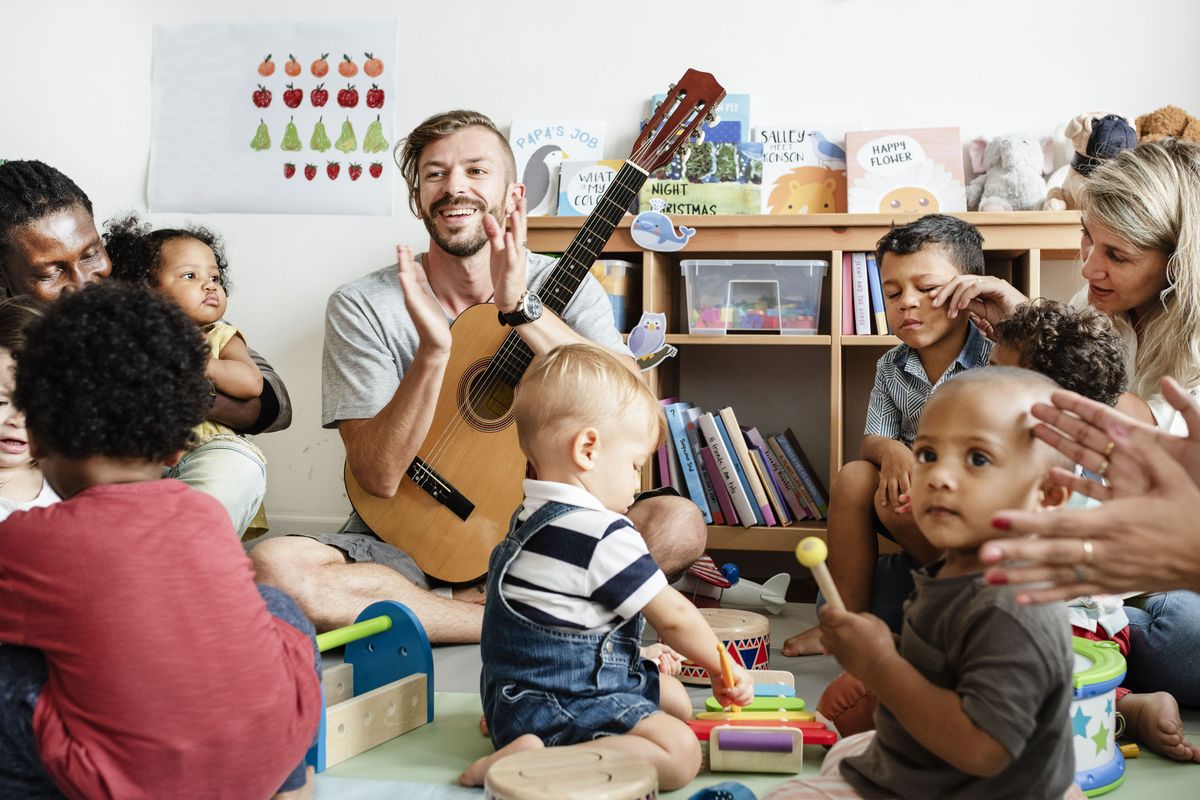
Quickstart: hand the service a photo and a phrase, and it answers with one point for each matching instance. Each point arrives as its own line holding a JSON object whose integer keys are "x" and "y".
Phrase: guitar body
{"x": 473, "y": 445}
{"x": 455, "y": 502}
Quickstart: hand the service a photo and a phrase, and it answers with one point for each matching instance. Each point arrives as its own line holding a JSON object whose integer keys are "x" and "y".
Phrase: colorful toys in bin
{"x": 753, "y": 296}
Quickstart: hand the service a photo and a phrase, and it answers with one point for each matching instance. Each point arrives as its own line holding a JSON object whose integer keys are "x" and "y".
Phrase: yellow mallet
{"x": 811, "y": 553}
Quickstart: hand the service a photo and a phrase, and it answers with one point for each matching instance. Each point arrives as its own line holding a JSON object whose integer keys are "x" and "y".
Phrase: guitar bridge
{"x": 440, "y": 489}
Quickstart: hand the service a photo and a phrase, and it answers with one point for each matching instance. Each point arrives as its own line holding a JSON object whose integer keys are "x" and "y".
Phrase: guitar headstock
{"x": 688, "y": 103}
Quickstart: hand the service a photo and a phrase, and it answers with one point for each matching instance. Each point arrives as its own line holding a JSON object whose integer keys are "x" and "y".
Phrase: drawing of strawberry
{"x": 355, "y": 171}
{"x": 348, "y": 97}
{"x": 289, "y": 170}
{"x": 262, "y": 97}
{"x": 374, "y": 97}
{"x": 332, "y": 169}
{"x": 292, "y": 97}
{"x": 376, "y": 169}
{"x": 319, "y": 96}
{"x": 320, "y": 67}
{"x": 310, "y": 171}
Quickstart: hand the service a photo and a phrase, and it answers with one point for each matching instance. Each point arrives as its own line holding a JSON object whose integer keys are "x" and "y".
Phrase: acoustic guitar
{"x": 457, "y": 497}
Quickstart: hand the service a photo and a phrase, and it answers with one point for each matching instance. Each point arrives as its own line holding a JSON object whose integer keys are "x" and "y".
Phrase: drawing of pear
{"x": 374, "y": 141}
{"x": 291, "y": 137}
{"x": 347, "y": 141}
{"x": 262, "y": 137}
{"x": 320, "y": 139}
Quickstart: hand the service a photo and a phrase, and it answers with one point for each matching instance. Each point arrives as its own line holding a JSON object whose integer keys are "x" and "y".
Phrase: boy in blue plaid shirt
{"x": 866, "y": 495}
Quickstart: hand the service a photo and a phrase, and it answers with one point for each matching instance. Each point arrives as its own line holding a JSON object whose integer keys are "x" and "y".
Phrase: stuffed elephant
{"x": 1012, "y": 167}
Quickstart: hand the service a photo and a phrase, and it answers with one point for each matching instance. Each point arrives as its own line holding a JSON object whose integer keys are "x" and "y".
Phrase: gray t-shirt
{"x": 370, "y": 341}
{"x": 1011, "y": 666}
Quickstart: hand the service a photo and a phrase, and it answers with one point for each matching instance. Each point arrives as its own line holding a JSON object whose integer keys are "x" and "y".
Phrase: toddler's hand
{"x": 860, "y": 642}
{"x": 669, "y": 662}
{"x": 740, "y": 694}
{"x": 905, "y": 506}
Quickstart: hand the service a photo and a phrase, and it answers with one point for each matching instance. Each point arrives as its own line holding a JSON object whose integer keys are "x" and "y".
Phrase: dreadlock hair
{"x": 29, "y": 190}
{"x": 135, "y": 249}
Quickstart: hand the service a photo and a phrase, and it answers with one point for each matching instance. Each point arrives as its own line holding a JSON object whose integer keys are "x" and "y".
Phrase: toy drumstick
{"x": 811, "y": 553}
{"x": 726, "y": 672}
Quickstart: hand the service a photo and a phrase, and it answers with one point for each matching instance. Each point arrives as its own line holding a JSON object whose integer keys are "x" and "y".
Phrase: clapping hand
{"x": 427, "y": 313}
{"x": 508, "y": 257}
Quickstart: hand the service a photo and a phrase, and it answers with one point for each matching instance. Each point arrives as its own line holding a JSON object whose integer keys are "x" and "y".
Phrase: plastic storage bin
{"x": 780, "y": 297}
{"x": 620, "y": 280}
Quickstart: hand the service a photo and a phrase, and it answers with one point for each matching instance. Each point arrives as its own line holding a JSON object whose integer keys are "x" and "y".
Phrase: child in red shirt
{"x": 139, "y": 660}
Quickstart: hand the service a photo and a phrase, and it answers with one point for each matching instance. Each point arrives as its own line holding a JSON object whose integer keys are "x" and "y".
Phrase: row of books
{"x": 734, "y": 474}
{"x": 863, "y": 312}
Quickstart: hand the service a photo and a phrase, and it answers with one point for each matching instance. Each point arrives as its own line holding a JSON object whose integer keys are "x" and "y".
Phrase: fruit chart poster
{"x": 289, "y": 118}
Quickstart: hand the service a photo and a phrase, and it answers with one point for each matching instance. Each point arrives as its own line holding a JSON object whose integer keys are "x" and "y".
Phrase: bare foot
{"x": 476, "y": 593}
{"x": 483, "y": 726}
{"x": 1153, "y": 720}
{"x": 474, "y": 774}
{"x": 807, "y": 643}
{"x": 305, "y": 792}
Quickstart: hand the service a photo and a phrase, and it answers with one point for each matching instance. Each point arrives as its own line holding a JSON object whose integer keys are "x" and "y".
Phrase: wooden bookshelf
{"x": 816, "y": 385}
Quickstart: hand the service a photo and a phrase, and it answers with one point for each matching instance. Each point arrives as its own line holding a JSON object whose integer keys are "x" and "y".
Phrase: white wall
{"x": 77, "y": 95}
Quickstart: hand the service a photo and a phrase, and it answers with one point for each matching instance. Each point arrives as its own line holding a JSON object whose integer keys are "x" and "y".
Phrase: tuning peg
{"x": 712, "y": 120}
{"x": 699, "y": 136}
{"x": 670, "y": 87}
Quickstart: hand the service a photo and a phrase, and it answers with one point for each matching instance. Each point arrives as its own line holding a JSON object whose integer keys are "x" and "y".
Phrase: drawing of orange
{"x": 292, "y": 67}
{"x": 372, "y": 66}
{"x": 320, "y": 66}
{"x": 267, "y": 67}
{"x": 348, "y": 69}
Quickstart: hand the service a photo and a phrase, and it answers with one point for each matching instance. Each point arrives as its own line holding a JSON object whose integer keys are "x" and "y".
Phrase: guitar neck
{"x": 575, "y": 263}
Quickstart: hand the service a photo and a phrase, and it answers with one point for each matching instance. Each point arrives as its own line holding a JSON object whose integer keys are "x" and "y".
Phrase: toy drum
{"x": 571, "y": 774}
{"x": 1099, "y": 669}
{"x": 746, "y": 636}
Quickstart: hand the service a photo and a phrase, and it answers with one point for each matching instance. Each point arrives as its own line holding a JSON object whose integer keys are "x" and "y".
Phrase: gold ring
{"x": 1104, "y": 464}
{"x": 1108, "y": 448}
{"x": 1088, "y": 552}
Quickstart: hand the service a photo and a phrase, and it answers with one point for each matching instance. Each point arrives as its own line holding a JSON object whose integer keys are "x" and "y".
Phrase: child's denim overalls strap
{"x": 565, "y": 686}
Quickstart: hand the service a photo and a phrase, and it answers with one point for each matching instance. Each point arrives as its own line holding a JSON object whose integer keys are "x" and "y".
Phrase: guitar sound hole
{"x": 490, "y": 399}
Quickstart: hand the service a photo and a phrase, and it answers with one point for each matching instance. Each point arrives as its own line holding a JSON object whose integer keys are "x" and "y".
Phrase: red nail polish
{"x": 996, "y": 578}
{"x": 1002, "y": 524}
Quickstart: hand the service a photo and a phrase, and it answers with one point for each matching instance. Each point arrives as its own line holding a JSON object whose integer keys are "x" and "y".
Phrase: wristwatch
{"x": 529, "y": 308}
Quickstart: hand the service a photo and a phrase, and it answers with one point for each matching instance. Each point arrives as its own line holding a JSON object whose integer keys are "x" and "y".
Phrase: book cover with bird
{"x": 541, "y": 146}
{"x": 804, "y": 169}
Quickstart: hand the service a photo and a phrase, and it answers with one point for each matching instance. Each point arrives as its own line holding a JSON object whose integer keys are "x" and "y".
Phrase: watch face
{"x": 533, "y": 305}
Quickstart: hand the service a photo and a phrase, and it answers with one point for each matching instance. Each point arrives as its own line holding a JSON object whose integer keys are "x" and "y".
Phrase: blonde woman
{"x": 1141, "y": 259}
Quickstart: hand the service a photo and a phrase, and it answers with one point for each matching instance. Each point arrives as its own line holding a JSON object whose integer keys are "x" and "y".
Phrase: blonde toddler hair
{"x": 580, "y": 385}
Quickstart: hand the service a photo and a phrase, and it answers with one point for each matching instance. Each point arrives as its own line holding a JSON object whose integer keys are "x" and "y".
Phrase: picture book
{"x": 739, "y": 448}
{"x": 905, "y": 172}
{"x": 777, "y": 506}
{"x": 739, "y": 472}
{"x": 862, "y": 300}
{"x": 581, "y": 184}
{"x": 874, "y": 283}
{"x": 793, "y": 477}
{"x": 697, "y": 444}
{"x": 715, "y": 178}
{"x": 733, "y": 118}
{"x": 783, "y": 483}
{"x": 804, "y": 170}
{"x": 718, "y": 483}
{"x": 847, "y": 294}
{"x": 727, "y": 466}
{"x": 687, "y": 460}
{"x": 541, "y": 146}
{"x": 812, "y": 481}
{"x": 668, "y": 459}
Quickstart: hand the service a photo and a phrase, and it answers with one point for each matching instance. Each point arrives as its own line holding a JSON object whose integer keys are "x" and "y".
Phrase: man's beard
{"x": 466, "y": 245}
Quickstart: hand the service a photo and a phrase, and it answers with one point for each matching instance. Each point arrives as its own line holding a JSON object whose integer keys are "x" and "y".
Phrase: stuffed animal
{"x": 1095, "y": 137}
{"x": 1168, "y": 121}
{"x": 1012, "y": 167}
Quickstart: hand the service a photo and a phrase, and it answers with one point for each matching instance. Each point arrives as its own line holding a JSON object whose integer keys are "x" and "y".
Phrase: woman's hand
{"x": 508, "y": 257}
{"x": 987, "y": 297}
{"x": 428, "y": 315}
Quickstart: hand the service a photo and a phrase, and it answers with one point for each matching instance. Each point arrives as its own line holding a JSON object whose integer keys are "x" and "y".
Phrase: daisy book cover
{"x": 905, "y": 172}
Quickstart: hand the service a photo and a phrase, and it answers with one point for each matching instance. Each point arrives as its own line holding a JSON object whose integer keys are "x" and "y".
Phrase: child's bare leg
{"x": 673, "y": 698}
{"x": 903, "y": 528}
{"x": 1153, "y": 719}
{"x": 853, "y": 548}
{"x": 664, "y": 741}
{"x": 474, "y": 774}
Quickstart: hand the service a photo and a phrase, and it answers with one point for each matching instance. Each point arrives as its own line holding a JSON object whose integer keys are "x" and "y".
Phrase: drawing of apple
{"x": 310, "y": 171}
{"x": 355, "y": 171}
{"x": 320, "y": 66}
{"x": 376, "y": 169}
{"x": 289, "y": 170}
{"x": 319, "y": 96}
{"x": 374, "y": 97}
{"x": 292, "y": 97}
{"x": 262, "y": 96}
{"x": 348, "y": 97}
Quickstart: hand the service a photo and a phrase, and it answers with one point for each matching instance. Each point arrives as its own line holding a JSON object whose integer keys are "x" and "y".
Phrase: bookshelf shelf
{"x": 816, "y": 385}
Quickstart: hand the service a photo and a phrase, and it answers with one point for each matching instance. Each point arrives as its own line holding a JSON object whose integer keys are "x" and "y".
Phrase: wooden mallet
{"x": 811, "y": 553}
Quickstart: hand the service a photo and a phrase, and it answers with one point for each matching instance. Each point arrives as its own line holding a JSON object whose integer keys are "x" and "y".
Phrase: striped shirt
{"x": 588, "y": 570}
{"x": 902, "y": 387}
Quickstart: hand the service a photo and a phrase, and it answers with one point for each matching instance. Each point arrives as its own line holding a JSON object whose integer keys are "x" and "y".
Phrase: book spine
{"x": 739, "y": 448}
{"x": 810, "y": 505}
{"x": 786, "y": 488}
{"x": 777, "y": 506}
{"x": 687, "y": 460}
{"x": 726, "y": 466}
{"x": 664, "y": 467}
{"x": 862, "y": 302}
{"x": 877, "y": 307}
{"x": 739, "y": 471}
{"x": 718, "y": 484}
{"x": 795, "y": 453}
{"x": 693, "y": 436}
{"x": 847, "y": 294}
{"x": 777, "y": 485}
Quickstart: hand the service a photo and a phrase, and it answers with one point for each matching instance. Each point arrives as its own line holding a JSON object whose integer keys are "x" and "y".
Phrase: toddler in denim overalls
{"x": 568, "y": 586}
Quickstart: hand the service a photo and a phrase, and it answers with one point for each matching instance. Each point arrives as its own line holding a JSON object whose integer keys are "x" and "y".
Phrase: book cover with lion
{"x": 804, "y": 170}
{"x": 905, "y": 172}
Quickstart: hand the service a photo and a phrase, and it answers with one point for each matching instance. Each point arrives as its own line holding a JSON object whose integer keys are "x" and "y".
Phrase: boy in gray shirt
{"x": 974, "y": 700}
